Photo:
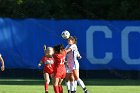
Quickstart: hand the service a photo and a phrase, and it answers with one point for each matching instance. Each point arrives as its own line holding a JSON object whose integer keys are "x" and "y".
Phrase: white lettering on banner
{"x": 125, "y": 44}
{"x": 108, "y": 34}
{"x": 90, "y": 44}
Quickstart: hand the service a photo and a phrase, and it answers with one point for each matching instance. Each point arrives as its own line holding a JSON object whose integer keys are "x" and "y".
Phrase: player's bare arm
{"x": 40, "y": 64}
{"x": 44, "y": 48}
{"x": 68, "y": 50}
{"x": 79, "y": 56}
{"x": 2, "y": 62}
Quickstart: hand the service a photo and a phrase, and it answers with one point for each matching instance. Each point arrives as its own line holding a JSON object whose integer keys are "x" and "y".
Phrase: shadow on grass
{"x": 91, "y": 82}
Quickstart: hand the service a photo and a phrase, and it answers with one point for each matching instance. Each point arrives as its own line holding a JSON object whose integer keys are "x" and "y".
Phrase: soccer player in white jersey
{"x": 2, "y": 62}
{"x": 73, "y": 66}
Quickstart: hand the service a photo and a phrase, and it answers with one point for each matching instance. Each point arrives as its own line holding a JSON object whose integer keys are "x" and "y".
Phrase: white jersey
{"x": 0, "y": 55}
{"x": 71, "y": 57}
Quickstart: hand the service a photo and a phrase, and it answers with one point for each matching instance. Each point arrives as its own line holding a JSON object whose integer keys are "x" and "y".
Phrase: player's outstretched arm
{"x": 2, "y": 62}
{"x": 40, "y": 64}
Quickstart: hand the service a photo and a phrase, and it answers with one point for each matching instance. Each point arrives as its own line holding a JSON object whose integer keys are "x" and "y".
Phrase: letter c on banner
{"x": 125, "y": 45}
{"x": 90, "y": 44}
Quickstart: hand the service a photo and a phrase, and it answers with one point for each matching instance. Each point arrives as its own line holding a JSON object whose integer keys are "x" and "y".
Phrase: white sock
{"x": 81, "y": 83}
{"x": 75, "y": 82}
{"x": 68, "y": 85}
{"x": 72, "y": 86}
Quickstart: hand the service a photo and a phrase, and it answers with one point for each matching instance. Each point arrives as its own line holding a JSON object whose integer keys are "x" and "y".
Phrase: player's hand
{"x": 66, "y": 63}
{"x": 79, "y": 57}
{"x": 39, "y": 65}
{"x": 44, "y": 47}
{"x": 2, "y": 68}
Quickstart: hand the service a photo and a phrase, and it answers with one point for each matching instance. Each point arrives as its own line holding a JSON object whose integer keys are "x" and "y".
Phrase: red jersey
{"x": 48, "y": 68}
{"x": 59, "y": 67}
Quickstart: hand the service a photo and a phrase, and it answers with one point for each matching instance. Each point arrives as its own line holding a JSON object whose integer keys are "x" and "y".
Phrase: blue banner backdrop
{"x": 102, "y": 44}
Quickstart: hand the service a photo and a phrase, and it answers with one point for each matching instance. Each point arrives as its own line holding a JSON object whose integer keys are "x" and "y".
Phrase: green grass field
{"x": 94, "y": 86}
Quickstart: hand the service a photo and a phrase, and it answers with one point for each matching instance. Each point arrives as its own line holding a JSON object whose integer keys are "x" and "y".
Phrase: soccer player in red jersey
{"x": 59, "y": 67}
{"x": 48, "y": 61}
{"x": 2, "y": 62}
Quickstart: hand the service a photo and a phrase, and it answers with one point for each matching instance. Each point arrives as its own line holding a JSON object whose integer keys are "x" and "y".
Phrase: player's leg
{"x": 76, "y": 76}
{"x": 47, "y": 81}
{"x": 55, "y": 85}
{"x": 67, "y": 79}
{"x": 60, "y": 86}
{"x": 72, "y": 83}
{"x": 79, "y": 81}
{"x": 52, "y": 77}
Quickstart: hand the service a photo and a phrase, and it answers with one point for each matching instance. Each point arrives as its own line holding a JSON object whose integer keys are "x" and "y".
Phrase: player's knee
{"x": 76, "y": 77}
{"x": 55, "y": 84}
{"x": 47, "y": 81}
{"x": 71, "y": 79}
{"x": 66, "y": 80}
{"x": 59, "y": 84}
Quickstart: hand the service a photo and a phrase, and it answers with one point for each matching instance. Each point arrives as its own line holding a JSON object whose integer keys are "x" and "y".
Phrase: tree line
{"x": 71, "y": 9}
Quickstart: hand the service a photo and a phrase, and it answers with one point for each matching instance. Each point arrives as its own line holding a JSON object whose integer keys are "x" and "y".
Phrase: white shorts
{"x": 76, "y": 65}
{"x": 72, "y": 67}
{"x": 68, "y": 70}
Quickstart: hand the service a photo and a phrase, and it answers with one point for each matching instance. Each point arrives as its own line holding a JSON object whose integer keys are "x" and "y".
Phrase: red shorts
{"x": 60, "y": 74}
{"x": 48, "y": 70}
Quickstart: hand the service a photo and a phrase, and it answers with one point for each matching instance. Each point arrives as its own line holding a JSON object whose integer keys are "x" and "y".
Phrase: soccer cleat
{"x": 46, "y": 92}
{"x": 69, "y": 91}
{"x": 73, "y": 92}
{"x": 86, "y": 91}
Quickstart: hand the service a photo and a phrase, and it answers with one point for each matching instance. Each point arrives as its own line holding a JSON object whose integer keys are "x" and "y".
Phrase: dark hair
{"x": 58, "y": 47}
{"x": 73, "y": 38}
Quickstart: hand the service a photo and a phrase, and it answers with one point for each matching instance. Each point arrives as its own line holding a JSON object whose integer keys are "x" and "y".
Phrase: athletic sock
{"x": 46, "y": 85}
{"x": 60, "y": 89}
{"x": 81, "y": 83}
{"x": 56, "y": 89}
{"x": 75, "y": 88}
{"x": 72, "y": 86}
{"x": 68, "y": 85}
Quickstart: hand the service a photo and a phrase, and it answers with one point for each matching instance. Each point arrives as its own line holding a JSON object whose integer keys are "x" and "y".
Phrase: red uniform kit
{"x": 48, "y": 68}
{"x": 59, "y": 67}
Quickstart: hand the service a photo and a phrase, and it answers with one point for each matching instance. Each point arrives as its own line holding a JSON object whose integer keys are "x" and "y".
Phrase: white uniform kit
{"x": 71, "y": 58}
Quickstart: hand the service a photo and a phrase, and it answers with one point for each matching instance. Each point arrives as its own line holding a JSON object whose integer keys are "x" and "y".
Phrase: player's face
{"x": 51, "y": 51}
{"x": 70, "y": 41}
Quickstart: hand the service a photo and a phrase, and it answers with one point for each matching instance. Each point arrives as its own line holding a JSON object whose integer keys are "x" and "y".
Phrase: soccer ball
{"x": 65, "y": 34}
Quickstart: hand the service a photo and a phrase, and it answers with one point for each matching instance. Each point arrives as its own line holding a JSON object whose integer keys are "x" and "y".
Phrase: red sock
{"x": 56, "y": 89}
{"x": 46, "y": 86}
{"x": 61, "y": 89}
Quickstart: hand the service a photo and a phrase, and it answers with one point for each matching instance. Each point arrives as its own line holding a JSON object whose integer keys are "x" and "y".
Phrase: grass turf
{"x": 94, "y": 86}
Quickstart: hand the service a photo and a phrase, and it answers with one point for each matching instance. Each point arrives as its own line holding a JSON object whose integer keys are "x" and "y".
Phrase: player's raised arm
{"x": 2, "y": 62}
{"x": 44, "y": 48}
{"x": 40, "y": 64}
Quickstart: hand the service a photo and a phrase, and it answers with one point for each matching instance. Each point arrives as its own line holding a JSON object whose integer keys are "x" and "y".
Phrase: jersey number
{"x": 62, "y": 60}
